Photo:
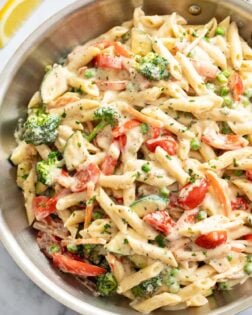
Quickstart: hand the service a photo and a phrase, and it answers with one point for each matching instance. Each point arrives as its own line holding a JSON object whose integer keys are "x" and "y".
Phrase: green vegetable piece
{"x": 146, "y": 168}
{"x": 89, "y": 73}
{"x": 195, "y": 144}
{"x": 201, "y": 215}
{"x": 55, "y": 248}
{"x": 238, "y": 173}
{"x": 249, "y": 258}
{"x": 97, "y": 215}
{"x": 248, "y": 93}
{"x": 226, "y": 73}
{"x": 147, "y": 288}
{"x": 72, "y": 248}
{"x": 248, "y": 268}
{"x": 227, "y": 101}
{"x": 153, "y": 67}
{"x": 174, "y": 272}
{"x": 224, "y": 286}
{"x": 224, "y": 91}
{"x": 148, "y": 204}
{"x": 47, "y": 169}
{"x": 229, "y": 257}
{"x": 174, "y": 288}
{"x": 41, "y": 128}
{"x": 220, "y": 31}
{"x": 160, "y": 240}
{"x": 221, "y": 77}
{"x": 107, "y": 116}
{"x": 106, "y": 284}
{"x": 144, "y": 128}
{"x": 164, "y": 192}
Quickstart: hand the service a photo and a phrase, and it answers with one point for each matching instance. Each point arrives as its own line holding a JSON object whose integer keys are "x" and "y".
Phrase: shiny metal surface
{"x": 76, "y": 24}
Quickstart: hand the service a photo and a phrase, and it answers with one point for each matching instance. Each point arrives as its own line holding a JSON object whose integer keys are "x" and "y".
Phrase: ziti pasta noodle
{"x": 135, "y": 161}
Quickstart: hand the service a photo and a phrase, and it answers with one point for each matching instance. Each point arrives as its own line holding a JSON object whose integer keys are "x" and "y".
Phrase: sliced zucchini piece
{"x": 148, "y": 204}
{"x": 75, "y": 152}
{"x": 54, "y": 83}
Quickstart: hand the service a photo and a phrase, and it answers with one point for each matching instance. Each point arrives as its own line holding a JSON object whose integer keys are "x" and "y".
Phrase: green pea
{"x": 195, "y": 144}
{"x": 227, "y": 101}
{"x": 224, "y": 91}
{"x": 248, "y": 268}
{"x": 146, "y": 168}
{"x": 224, "y": 286}
{"x": 55, "y": 248}
{"x": 221, "y": 77}
{"x": 164, "y": 192}
{"x": 220, "y": 31}
{"x": 201, "y": 215}
{"x": 72, "y": 248}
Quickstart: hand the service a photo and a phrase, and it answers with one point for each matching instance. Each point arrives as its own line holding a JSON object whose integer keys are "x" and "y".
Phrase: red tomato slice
{"x": 192, "y": 195}
{"x": 159, "y": 132}
{"x": 249, "y": 175}
{"x": 212, "y": 239}
{"x": 247, "y": 237}
{"x": 112, "y": 85}
{"x": 160, "y": 221}
{"x": 239, "y": 204}
{"x": 108, "y": 165}
{"x": 75, "y": 267}
{"x": 83, "y": 176}
{"x": 43, "y": 206}
{"x": 106, "y": 61}
{"x": 236, "y": 86}
{"x": 121, "y": 130}
{"x": 122, "y": 142}
{"x": 167, "y": 143}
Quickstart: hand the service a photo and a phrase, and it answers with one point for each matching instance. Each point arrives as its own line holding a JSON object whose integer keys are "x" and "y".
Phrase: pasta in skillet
{"x": 135, "y": 161}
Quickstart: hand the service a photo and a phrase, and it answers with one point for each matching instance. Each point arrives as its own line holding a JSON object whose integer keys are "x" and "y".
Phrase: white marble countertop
{"x": 18, "y": 294}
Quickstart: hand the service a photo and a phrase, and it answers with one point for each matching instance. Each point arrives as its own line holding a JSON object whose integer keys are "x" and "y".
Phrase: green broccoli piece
{"x": 107, "y": 116}
{"x": 153, "y": 67}
{"x": 106, "y": 284}
{"x": 47, "y": 169}
{"x": 147, "y": 288}
{"x": 41, "y": 128}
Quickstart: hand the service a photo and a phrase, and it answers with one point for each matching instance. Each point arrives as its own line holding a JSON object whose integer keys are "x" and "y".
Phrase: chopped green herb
{"x": 125, "y": 241}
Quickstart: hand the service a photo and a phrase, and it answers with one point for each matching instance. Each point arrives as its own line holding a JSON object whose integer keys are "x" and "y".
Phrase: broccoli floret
{"x": 48, "y": 169}
{"x": 107, "y": 116}
{"x": 147, "y": 288}
{"x": 106, "y": 284}
{"x": 153, "y": 67}
{"x": 41, "y": 128}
